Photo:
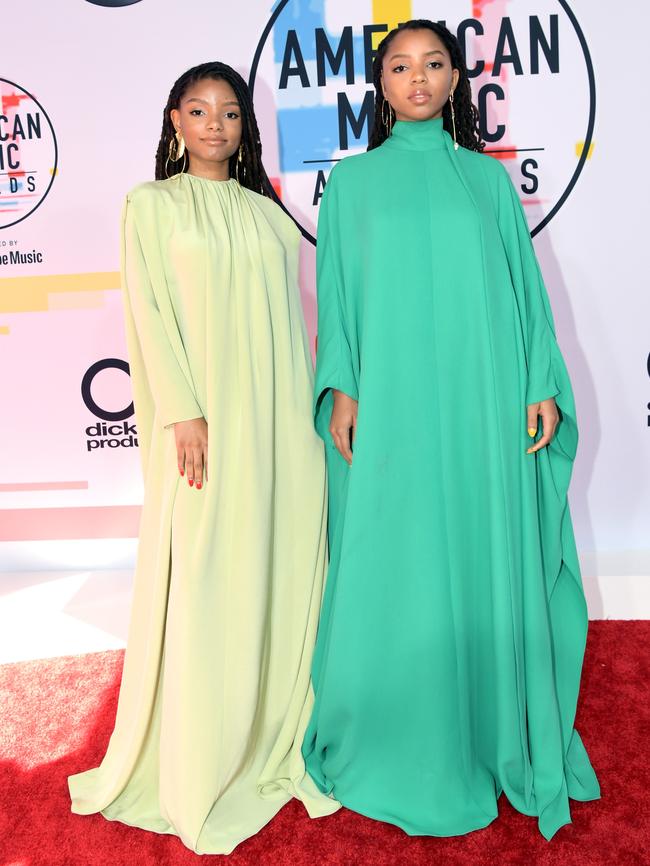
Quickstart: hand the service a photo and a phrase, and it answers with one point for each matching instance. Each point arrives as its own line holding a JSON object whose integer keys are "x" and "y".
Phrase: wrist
{"x": 342, "y": 397}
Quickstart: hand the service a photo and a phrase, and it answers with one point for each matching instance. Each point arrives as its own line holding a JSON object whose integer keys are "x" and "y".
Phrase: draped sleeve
{"x": 546, "y": 370}
{"x": 161, "y": 381}
{"x": 337, "y": 365}
{"x": 547, "y": 377}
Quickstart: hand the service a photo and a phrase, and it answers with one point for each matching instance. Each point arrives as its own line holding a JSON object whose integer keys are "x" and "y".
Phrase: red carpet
{"x": 57, "y": 716}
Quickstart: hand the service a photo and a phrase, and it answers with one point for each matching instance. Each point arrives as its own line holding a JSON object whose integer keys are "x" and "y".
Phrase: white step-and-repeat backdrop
{"x": 82, "y": 87}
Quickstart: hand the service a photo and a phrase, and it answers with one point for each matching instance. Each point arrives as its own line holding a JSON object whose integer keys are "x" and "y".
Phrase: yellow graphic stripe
{"x": 84, "y": 300}
{"x": 391, "y": 12}
{"x": 580, "y": 146}
{"x": 31, "y": 294}
{"x": 4, "y": 329}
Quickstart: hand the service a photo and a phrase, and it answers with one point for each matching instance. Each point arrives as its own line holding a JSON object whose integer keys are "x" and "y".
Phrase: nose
{"x": 418, "y": 76}
{"x": 215, "y": 122}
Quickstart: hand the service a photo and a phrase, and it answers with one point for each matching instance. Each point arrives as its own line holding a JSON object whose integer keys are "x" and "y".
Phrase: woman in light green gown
{"x": 448, "y": 659}
{"x": 215, "y": 692}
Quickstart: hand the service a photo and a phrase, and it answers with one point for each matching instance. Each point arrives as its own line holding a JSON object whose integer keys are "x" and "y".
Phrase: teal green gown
{"x": 450, "y": 647}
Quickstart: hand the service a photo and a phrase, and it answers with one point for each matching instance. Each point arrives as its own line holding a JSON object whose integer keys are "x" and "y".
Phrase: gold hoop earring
{"x": 453, "y": 118}
{"x": 387, "y": 116}
{"x": 180, "y": 145}
{"x": 240, "y": 160}
{"x": 176, "y": 147}
{"x": 175, "y": 152}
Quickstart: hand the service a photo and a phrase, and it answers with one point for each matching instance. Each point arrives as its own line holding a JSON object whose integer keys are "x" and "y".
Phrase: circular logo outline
{"x": 591, "y": 122}
{"x": 56, "y": 155}
{"x": 87, "y": 397}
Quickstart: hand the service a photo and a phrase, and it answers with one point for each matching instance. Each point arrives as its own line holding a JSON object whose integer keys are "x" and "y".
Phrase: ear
{"x": 383, "y": 86}
{"x": 455, "y": 75}
{"x": 176, "y": 118}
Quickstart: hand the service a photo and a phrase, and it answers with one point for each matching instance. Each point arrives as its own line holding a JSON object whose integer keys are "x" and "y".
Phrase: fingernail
{"x": 530, "y": 451}
{"x": 182, "y": 471}
{"x": 532, "y": 431}
{"x": 198, "y": 485}
{"x": 190, "y": 481}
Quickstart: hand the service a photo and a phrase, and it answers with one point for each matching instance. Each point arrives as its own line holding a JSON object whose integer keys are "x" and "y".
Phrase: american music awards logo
{"x": 28, "y": 153}
{"x": 531, "y": 74}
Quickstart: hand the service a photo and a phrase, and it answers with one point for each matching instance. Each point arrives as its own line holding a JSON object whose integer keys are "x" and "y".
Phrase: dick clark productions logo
{"x": 530, "y": 69}
{"x": 112, "y": 429}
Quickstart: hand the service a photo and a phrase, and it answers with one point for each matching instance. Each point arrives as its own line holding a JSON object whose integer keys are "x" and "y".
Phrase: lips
{"x": 419, "y": 96}
{"x": 215, "y": 141}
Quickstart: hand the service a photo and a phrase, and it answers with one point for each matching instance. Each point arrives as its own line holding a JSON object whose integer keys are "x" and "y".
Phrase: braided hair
{"x": 467, "y": 117}
{"x": 251, "y": 170}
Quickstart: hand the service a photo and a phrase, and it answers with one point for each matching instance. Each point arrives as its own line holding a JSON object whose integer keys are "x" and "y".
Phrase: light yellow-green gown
{"x": 215, "y": 693}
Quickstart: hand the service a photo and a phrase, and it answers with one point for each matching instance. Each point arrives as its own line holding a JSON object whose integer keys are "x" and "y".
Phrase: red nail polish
{"x": 190, "y": 481}
{"x": 198, "y": 485}
{"x": 182, "y": 471}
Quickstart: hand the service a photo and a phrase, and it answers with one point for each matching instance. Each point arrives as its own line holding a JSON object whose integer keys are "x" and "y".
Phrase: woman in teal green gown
{"x": 449, "y": 653}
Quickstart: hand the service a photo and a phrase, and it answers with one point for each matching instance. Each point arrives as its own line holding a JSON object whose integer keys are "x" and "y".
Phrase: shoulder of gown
{"x": 487, "y": 169}
{"x": 274, "y": 213}
{"x": 358, "y": 166}
{"x": 148, "y": 189}
{"x": 154, "y": 195}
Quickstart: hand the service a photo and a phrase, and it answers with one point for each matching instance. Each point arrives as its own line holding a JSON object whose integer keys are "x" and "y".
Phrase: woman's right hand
{"x": 192, "y": 450}
{"x": 343, "y": 424}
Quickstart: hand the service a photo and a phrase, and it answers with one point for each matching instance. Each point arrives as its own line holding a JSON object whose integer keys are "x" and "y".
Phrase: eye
{"x": 232, "y": 115}
{"x": 399, "y": 68}
{"x": 435, "y": 64}
{"x": 197, "y": 111}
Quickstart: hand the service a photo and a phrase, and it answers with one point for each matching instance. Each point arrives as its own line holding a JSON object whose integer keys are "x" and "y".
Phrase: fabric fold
{"x": 337, "y": 353}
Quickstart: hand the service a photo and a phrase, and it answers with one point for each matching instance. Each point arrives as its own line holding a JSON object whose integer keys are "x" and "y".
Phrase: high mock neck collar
{"x": 417, "y": 135}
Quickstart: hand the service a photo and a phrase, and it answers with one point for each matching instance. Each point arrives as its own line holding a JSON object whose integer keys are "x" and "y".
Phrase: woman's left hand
{"x": 547, "y": 409}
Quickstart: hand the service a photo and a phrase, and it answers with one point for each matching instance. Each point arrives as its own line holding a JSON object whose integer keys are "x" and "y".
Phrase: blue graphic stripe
{"x": 304, "y": 16}
{"x": 310, "y": 134}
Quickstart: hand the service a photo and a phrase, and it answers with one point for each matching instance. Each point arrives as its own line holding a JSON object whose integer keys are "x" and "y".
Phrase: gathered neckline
{"x": 210, "y": 180}
{"x": 417, "y": 135}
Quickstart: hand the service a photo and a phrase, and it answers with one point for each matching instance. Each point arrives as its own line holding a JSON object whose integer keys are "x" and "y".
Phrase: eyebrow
{"x": 426, "y": 54}
{"x": 205, "y": 101}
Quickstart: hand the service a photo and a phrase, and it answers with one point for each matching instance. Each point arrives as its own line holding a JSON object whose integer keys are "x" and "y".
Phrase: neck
{"x": 209, "y": 170}
{"x": 406, "y": 119}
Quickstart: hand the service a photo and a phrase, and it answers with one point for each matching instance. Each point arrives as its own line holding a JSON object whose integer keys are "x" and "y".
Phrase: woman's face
{"x": 209, "y": 119}
{"x": 417, "y": 75}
